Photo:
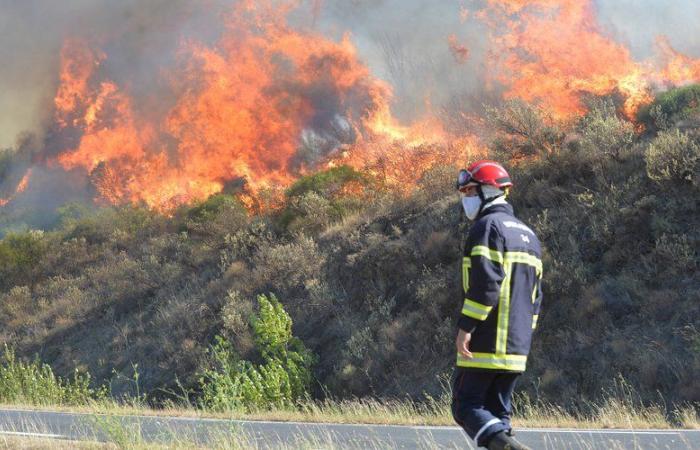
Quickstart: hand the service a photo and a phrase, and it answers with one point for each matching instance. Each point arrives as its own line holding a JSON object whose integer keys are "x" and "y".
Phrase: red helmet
{"x": 484, "y": 172}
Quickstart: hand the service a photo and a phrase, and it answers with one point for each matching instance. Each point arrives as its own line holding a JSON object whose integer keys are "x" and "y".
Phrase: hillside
{"x": 370, "y": 276}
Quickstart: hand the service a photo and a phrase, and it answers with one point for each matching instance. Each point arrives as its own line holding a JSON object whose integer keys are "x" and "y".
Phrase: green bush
{"x": 671, "y": 107}
{"x": 315, "y": 201}
{"x": 603, "y": 133}
{"x": 674, "y": 157}
{"x": 117, "y": 225}
{"x": 35, "y": 383}
{"x": 326, "y": 183}
{"x": 207, "y": 209}
{"x": 20, "y": 255}
{"x": 524, "y": 130}
{"x": 282, "y": 378}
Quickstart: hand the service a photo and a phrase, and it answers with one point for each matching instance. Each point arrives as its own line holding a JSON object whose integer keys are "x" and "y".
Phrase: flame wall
{"x": 165, "y": 102}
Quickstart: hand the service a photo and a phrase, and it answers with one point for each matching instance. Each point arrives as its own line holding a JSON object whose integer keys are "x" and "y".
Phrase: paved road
{"x": 274, "y": 435}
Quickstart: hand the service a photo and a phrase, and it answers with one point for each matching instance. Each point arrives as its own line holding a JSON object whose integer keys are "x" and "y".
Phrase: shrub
{"x": 673, "y": 156}
{"x": 671, "y": 107}
{"x": 524, "y": 131}
{"x": 315, "y": 201}
{"x": 603, "y": 133}
{"x": 20, "y": 255}
{"x": 288, "y": 267}
{"x": 211, "y": 220}
{"x": 117, "y": 225}
{"x": 283, "y": 377}
{"x": 327, "y": 183}
{"x": 209, "y": 207}
{"x": 36, "y": 384}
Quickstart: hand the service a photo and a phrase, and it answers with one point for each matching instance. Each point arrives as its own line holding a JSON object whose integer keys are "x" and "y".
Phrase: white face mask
{"x": 471, "y": 206}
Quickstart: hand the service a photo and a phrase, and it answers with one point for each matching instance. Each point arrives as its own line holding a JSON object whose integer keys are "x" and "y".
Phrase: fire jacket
{"x": 502, "y": 273}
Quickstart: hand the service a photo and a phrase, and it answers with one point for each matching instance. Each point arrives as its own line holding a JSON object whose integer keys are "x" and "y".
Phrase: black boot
{"x": 501, "y": 441}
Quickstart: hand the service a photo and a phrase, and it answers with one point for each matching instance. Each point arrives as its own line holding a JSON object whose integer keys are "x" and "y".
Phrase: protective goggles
{"x": 463, "y": 179}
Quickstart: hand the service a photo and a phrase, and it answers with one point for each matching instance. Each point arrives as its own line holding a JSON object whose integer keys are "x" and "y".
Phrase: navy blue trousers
{"x": 481, "y": 402}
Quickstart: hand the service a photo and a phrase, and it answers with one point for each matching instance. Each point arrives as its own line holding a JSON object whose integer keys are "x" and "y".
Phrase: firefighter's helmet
{"x": 484, "y": 172}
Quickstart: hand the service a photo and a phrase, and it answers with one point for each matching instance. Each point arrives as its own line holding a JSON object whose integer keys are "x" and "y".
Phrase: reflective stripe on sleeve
{"x": 493, "y": 255}
{"x": 534, "y": 321}
{"x": 466, "y": 265}
{"x": 475, "y": 310}
{"x": 525, "y": 258}
{"x": 513, "y": 257}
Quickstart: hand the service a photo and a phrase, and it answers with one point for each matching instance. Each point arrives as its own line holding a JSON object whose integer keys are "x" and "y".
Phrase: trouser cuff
{"x": 489, "y": 429}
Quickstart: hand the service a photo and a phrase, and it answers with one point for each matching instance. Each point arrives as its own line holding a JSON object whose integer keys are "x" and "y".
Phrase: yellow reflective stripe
{"x": 493, "y": 255}
{"x": 503, "y": 312}
{"x": 534, "y": 321}
{"x": 466, "y": 265}
{"x": 476, "y": 310}
{"x": 525, "y": 258}
{"x": 493, "y": 361}
{"x": 514, "y": 257}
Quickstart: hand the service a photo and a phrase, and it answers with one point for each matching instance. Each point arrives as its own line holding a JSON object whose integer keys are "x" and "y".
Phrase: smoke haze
{"x": 403, "y": 41}
{"x": 150, "y": 64}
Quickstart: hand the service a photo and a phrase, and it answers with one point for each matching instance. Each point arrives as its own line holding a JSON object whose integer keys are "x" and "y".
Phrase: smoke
{"x": 33, "y": 31}
{"x": 433, "y": 56}
{"x": 405, "y": 42}
{"x": 139, "y": 35}
{"x": 637, "y": 23}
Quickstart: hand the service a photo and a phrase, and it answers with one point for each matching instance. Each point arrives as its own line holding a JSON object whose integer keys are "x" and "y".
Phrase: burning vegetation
{"x": 267, "y": 102}
{"x": 554, "y": 52}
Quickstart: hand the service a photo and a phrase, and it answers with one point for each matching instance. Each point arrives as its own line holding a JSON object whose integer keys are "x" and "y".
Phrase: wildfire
{"x": 459, "y": 51}
{"x": 240, "y": 109}
{"x": 267, "y": 103}
{"x": 21, "y": 187}
{"x": 553, "y": 52}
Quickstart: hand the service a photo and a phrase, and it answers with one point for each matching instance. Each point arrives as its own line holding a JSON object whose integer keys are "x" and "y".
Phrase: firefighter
{"x": 502, "y": 273}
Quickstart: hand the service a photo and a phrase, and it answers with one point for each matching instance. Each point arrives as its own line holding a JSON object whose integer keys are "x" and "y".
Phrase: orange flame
{"x": 24, "y": 182}
{"x": 239, "y": 110}
{"x": 21, "y": 187}
{"x": 553, "y": 52}
{"x": 459, "y": 51}
{"x": 679, "y": 68}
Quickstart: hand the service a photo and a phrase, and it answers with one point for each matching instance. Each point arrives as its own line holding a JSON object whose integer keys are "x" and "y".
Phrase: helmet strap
{"x": 484, "y": 200}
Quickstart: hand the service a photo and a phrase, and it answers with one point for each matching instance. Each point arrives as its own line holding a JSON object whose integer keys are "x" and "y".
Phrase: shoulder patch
{"x": 519, "y": 226}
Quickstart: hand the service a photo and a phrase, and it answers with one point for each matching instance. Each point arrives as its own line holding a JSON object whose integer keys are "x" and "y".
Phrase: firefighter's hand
{"x": 463, "y": 339}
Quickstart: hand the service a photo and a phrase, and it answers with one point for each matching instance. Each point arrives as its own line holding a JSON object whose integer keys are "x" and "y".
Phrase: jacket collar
{"x": 499, "y": 207}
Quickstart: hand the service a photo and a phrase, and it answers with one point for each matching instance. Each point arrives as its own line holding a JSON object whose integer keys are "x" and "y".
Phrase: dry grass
{"x": 687, "y": 416}
{"x": 613, "y": 413}
{"x": 29, "y": 443}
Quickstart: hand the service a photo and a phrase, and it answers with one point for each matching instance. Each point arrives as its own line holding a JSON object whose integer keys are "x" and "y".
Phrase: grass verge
{"x": 612, "y": 413}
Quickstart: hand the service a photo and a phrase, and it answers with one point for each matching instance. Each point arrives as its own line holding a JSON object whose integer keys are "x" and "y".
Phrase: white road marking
{"x": 560, "y": 430}
{"x": 26, "y": 434}
{"x": 584, "y": 431}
